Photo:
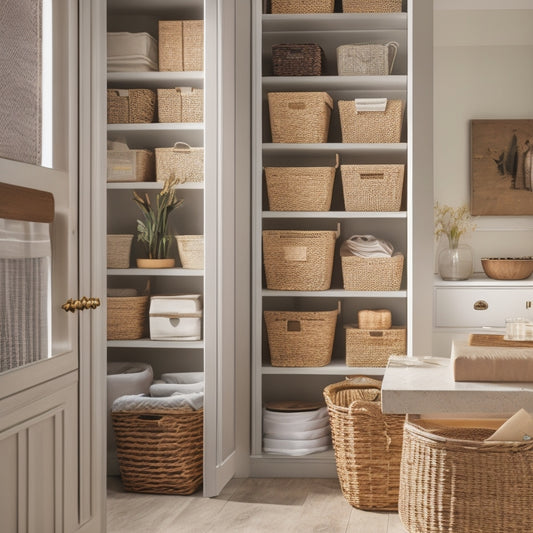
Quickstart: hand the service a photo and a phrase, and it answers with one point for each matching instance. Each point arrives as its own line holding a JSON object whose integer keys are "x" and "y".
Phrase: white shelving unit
{"x": 330, "y": 31}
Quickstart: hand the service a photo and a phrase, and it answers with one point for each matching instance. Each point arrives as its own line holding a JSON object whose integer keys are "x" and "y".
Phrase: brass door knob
{"x": 79, "y": 305}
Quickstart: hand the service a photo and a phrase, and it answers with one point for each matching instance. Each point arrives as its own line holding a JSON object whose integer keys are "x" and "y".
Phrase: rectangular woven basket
{"x": 298, "y": 260}
{"x": 181, "y": 45}
{"x": 367, "y": 444}
{"x": 300, "y": 117}
{"x": 306, "y": 59}
{"x": 371, "y": 6}
{"x": 182, "y": 104}
{"x": 371, "y": 126}
{"x": 160, "y": 452}
{"x": 191, "y": 251}
{"x": 130, "y": 165}
{"x": 300, "y": 188}
{"x": 453, "y": 480}
{"x": 300, "y": 338}
{"x": 127, "y": 317}
{"x": 302, "y": 6}
{"x": 372, "y": 273}
{"x": 366, "y": 59}
{"x": 130, "y": 106}
{"x": 372, "y": 348}
{"x": 118, "y": 251}
{"x": 372, "y": 187}
{"x": 182, "y": 161}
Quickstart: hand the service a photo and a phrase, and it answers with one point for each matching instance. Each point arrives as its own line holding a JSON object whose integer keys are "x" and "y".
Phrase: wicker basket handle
{"x": 363, "y": 382}
{"x": 370, "y": 105}
{"x": 180, "y": 143}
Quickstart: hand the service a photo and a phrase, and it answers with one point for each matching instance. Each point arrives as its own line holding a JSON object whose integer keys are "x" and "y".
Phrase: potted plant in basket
{"x": 154, "y": 231}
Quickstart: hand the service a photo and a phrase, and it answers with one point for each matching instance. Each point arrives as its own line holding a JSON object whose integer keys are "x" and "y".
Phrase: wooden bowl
{"x": 507, "y": 268}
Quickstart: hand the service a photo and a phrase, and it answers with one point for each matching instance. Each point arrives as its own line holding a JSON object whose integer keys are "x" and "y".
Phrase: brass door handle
{"x": 79, "y": 305}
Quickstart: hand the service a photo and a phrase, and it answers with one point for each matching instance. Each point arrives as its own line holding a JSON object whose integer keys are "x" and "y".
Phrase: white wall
{"x": 483, "y": 68}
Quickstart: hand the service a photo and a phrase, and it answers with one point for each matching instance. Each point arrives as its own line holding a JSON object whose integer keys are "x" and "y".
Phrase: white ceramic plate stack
{"x": 294, "y": 428}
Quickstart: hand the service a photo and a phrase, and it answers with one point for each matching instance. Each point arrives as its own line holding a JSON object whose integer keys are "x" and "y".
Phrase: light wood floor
{"x": 249, "y": 506}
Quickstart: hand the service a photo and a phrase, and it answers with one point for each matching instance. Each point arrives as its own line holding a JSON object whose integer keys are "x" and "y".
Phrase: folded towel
{"x": 519, "y": 428}
{"x": 182, "y": 377}
{"x": 366, "y": 246}
{"x": 168, "y": 389}
{"x": 139, "y": 402}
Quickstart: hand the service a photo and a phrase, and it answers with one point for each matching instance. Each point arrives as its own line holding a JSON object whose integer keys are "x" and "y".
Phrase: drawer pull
{"x": 528, "y": 305}
{"x": 481, "y": 305}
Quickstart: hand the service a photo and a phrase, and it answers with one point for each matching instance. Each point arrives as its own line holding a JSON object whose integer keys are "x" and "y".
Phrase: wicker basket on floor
{"x": 371, "y": 6}
{"x": 372, "y": 187}
{"x": 306, "y": 59}
{"x": 180, "y": 105}
{"x": 372, "y": 273}
{"x": 298, "y": 260}
{"x": 373, "y": 347}
{"x": 127, "y": 317}
{"x": 181, "y": 45}
{"x": 300, "y": 338}
{"x": 371, "y": 126}
{"x": 180, "y": 160}
{"x": 130, "y": 106}
{"x": 367, "y": 444}
{"x": 453, "y": 481}
{"x": 300, "y": 117}
{"x": 160, "y": 452}
{"x": 302, "y": 6}
{"x": 300, "y": 188}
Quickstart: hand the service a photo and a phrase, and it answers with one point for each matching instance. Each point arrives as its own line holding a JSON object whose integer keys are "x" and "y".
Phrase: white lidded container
{"x": 131, "y": 51}
{"x": 177, "y": 317}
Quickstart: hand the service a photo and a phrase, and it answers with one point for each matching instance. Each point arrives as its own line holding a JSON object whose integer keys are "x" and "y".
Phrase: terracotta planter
{"x": 156, "y": 263}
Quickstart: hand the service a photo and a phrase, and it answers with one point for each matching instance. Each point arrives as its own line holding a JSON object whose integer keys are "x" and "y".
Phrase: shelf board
{"x": 147, "y": 343}
{"x": 336, "y": 293}
{"x": 335, "y": 368}
{"x": 316, "y": 83}
{"x": 334, "y": 22}
{"x": 156, "y": 79}
{"x": 151, "y": 185}
{"x": 186, "y": 272}
{"x": 303, "y": 149}
{"x": 166, "y": 127}
{"x": 479, "y": 279}
{"x": 334, "y": 214}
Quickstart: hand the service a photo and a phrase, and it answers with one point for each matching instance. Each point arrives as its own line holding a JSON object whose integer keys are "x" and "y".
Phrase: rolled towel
{"x": 366, "y": 246}
{"x": 168, "y": 389}
{"x": 192, "y": 401}
{"x": 182, "y": 377}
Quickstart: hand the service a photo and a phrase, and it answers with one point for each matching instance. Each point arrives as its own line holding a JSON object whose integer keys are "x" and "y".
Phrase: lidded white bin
{"x": 131, "y": 52}
{"x": 176, "y": 317}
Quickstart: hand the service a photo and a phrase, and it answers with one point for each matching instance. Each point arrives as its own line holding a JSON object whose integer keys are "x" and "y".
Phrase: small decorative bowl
{"x": 507, "y": 267}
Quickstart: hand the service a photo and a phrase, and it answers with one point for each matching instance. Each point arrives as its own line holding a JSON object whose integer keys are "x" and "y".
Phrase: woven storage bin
{"x": 160, "y": 452}
{"x": 374, "y": 319}
{"x": 359, "y": 126}
{"x": 127, "y": 317}
{"x": 372, "y": 187}
{"x": 130, "y": 165}
{"x": 366, "y": 347}
{"x": 298, "y": 260}
{"x": 191, "y": 251}
{"x": 300, "y": 117}
{"x": 366, "y": 59}
{"x": 181, "y": 45}
{"x": 130, "y": 106}
{"x": 371, "y": 6}
{"x": 118, "y": 251}
{"x": 298, "y": 60}
{"x": 300, "y": 188}
{"x": 367, "y": 444}
{"x": 300, "y": 338}
{"x": 372, "y": 273}
{"x": 182, "y": 161}
{"x": 182, "y": 104}
{"x": 302, "y": 6}
{"x": 453, "y": 482}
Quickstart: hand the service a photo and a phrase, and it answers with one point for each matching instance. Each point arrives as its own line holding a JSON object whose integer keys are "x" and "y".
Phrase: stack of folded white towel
{"x": 366, "y": 246}
{"x": 177, "y": 390}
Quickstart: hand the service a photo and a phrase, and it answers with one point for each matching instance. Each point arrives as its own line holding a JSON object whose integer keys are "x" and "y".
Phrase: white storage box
{"x": 131, "y": 51}
{"x": 177, "y": 317}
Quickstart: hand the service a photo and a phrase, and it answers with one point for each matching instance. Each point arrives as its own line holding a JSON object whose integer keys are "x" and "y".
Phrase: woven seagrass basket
{"x": 160, "y": 452}
{"x": 127, "y": 317}
{"x": 371, "y": 6}
{"x": 453, "y": 481}
{"x": 374, "y": 319}
{"x": 371, "y": 126}
{"x": 118, "y": 251}
{"x": 300, "y": 338}
{"x": 300, "y": 188}
{"x": 306, "y": 59}
{"x": 366, "y": 59}
{"x": 180, "y": 105}
{"x": 373, "y": 347}
{"x": 367, "y": 444}
{"x": 130, "y": 106}
{"x": 372, "y": 273}
{"x": 181, "y": 45}
{"x": 302, "y": 6}
{"x": 372, "y": 187}
{"x": 191, "y": 251}
{"x": 130, "y": 165}
{"x": 300, "y": 117}
{"x": 181, "y": 160}
{"x": 298, "y": 260}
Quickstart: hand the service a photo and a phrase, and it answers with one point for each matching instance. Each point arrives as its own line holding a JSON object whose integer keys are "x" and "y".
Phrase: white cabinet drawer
{"x": 480, "y": 306}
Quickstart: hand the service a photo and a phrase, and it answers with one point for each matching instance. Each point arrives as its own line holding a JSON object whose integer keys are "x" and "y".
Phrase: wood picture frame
{"x": 501, "y": 167}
